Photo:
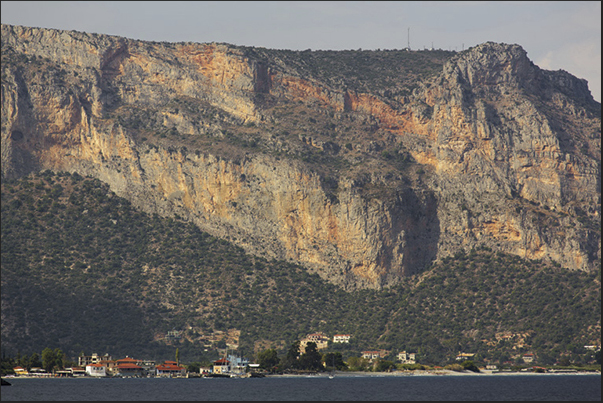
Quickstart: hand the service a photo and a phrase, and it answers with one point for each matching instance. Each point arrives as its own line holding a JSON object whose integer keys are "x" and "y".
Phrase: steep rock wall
{"x": 484, "y": 129}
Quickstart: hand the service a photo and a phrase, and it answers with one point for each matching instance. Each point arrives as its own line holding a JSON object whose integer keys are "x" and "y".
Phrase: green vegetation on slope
{"x": 391, "y": 73}
{"x": 82, "y": 270}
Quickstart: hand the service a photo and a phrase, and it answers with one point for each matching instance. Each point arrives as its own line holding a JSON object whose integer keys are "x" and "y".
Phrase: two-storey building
{"x": 98, "y": 370}
{"x": 170, "y": 369}
{"x": 371, "y": 355}
{"x": 128, "y": 367}
{"x": 407, "y": 358}
{"x": 221, "y": 366}
{"x": 84, "y": 360}
{"x": 321, "y": 340}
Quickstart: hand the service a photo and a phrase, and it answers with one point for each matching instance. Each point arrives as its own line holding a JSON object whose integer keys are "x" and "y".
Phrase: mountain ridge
{"x": 288, "y": 158}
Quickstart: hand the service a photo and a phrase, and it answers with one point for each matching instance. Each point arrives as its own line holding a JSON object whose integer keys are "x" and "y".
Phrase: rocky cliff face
{"x": 271, "y": 152}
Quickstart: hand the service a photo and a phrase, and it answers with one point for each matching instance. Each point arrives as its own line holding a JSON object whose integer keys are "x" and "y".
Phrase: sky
{"x": 557, "y": 35}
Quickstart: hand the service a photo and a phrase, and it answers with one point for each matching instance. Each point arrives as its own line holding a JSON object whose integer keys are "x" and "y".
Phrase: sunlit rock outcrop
{"x": 494, "y": 151}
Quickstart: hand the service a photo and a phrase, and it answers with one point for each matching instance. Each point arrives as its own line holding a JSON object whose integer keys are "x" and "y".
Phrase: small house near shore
{"x": 98, "y": 370}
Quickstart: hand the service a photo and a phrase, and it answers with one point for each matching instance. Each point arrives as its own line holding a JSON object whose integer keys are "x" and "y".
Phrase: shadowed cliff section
{"x": 363, "y": 166}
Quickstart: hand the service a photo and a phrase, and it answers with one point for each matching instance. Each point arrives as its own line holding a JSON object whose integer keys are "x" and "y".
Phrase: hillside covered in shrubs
{"x": 82, "y": 270}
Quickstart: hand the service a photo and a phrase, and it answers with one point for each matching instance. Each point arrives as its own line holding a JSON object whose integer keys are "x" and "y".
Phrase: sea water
{"x": 312, "y": 388}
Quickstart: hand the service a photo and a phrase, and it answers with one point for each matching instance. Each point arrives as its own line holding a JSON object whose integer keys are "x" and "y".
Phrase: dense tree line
{"x": 50, "y": 361}
{"x": 294, "y": 360}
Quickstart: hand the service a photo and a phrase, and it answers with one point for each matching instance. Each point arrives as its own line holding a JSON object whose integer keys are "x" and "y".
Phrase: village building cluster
{"x": 103, "y": 366}
{"x": 321, "y": 340}
{"x": 96, "y": 365}
{"x": 128, "y": 367}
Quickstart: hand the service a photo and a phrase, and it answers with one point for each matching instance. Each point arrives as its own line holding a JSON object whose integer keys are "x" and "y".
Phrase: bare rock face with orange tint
{"x": 363, "y": 166}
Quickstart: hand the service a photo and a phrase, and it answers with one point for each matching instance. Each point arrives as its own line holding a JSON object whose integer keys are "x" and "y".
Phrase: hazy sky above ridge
{"x": 556, "y": 34}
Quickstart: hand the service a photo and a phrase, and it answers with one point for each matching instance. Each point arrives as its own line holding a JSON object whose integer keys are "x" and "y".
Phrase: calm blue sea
{"x": 400, "y": 388}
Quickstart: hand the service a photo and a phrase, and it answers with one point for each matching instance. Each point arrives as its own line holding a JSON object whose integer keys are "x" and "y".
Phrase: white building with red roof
{"x": 96, "y": 370}
{"x": 170, "y": 369}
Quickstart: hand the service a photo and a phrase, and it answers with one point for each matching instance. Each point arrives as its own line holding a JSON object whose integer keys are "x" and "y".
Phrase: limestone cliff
{"x": 363, "y": 176}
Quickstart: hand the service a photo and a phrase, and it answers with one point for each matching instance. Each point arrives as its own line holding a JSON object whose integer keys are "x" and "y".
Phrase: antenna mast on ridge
{"x": 408, "y": 39}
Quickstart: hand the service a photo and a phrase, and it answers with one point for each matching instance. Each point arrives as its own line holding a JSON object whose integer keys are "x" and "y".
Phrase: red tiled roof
{"x": 169, "y": 367}
{"x": 127, "y": 359}
{"x": 95, "y": 365}
{"x": 221, "y": 361}
{"x": 128, "y": 366}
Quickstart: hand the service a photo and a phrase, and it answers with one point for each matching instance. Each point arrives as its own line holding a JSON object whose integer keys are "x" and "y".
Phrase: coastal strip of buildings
{"x": 96, "y": 365}
{"x": 128, "y": 367}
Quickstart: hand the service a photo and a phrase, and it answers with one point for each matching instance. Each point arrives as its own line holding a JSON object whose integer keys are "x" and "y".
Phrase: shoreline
{"x": 353, "y": 374}
{"x": 444, "y": 372}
